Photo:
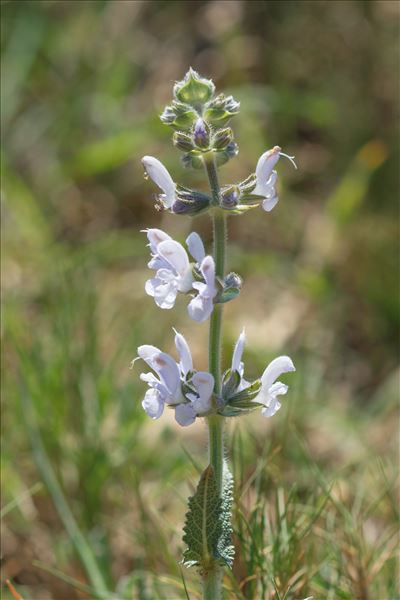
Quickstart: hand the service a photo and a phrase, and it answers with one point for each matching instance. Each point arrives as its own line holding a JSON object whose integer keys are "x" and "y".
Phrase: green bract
{"x": 179, "y": 115}
{"x": 219, "y": 110}
{"x": 183, "y": 141}
{"x": 194, "y": 89}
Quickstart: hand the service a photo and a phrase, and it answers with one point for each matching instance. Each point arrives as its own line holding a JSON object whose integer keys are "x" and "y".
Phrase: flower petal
{"x": 282, "y": 364}
{"x": 151, "y": 380}
{"x": 163, "y": 364}
{"x": 204, "y": 384}
{"x": 164, "y": 293}
{"x": 153, "y": 403}
{"x": 167, "y": 369}
{"x": 155, "y": 237}
{"x": 238, "y": 351}
{"x": 185, "y": 414}
{"x": 186, "y": 362}
{"x": 161, "y": 177}
{"x": 207, "y": 269}
{"x": 265, "y": 165}
{"x": 200, "y": 308}
{"x": 269, "y": 203}
{"x": 156, "y": 262}
{"x": 176, "y": 256}
{"x": 273, "y": 408}
{"x": 195, "y": 246}
{"x": 278, "y": 389}
{"x": 147, "y": 353}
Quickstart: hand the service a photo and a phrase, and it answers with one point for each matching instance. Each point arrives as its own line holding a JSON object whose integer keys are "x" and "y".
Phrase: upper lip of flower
{"x": 168, "y": 383}
{"x": 237, "y": 364}
{"x": 161, "y": 177}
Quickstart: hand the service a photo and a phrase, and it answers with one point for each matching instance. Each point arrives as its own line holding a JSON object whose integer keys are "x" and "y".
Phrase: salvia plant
{"x": 200, "y": 121}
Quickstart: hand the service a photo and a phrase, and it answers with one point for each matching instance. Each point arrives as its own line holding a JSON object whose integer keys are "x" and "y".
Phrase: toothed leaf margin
{"x": 207, "y": 530}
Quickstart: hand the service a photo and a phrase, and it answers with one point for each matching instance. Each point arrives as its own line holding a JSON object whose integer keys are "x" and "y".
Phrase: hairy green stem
{"x": 212, "y": 579}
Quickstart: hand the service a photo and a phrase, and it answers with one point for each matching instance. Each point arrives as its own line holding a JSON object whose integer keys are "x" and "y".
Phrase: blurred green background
{"x": 93, "y": 491}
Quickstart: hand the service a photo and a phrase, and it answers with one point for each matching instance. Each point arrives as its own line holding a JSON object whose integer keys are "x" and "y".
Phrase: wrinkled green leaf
{"x": 207, "y": 530}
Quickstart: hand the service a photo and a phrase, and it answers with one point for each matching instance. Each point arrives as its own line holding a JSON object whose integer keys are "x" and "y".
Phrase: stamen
{"x": 291, "y": 158}
{"x": 133, "y": 362}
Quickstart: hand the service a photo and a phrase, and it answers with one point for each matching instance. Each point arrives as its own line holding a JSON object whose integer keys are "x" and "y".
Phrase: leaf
{"x": 202, "y": 525}
{"x": 226, "y": 550}
{"x": 207, "y": 530}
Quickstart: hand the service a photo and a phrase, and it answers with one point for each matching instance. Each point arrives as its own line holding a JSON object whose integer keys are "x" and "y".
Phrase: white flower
{"x": 175, "y": 273}
{"x": 186, "y": 362}
{"x": 161, "y": 177}
{"x": 237, "y": 364}
{"x": 200, "y": 308}
{"x": 171, "y": 378}
{"x": 270, "y": 388}
{"x": 266, "y": 176}
{"x": 164, "y": 389}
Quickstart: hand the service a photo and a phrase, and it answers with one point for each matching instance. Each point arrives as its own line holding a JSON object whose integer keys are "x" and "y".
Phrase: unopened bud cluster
{"x": 200, "y": 119}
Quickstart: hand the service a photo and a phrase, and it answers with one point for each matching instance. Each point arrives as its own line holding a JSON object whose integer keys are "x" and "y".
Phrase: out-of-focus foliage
{"x": 93, "y": 492}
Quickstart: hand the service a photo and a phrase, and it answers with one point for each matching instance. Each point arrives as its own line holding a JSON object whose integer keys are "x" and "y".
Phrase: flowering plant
{"x": 199, "y": 119}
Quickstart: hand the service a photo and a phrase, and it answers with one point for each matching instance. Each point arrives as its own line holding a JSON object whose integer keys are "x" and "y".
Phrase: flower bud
{"x": 221, "y": 109}
{"x": 222, "y": 138}
{"x": 201, "y": 134}
{"x": 194, "y": 89}
{"x": 233, "y": 280}
{"x": 230, "y": 197}
{"x": 190, "y": 202}
{"x": 183, "y": 141}
{"x": 179, "y": 115}
{"x": 232, "y": 285}
{"x": 222, "y": 156}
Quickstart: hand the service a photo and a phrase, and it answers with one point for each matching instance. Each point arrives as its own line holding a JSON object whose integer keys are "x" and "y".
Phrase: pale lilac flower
{"x": 170, "y": 379}
{"x": 186, "y": 361}
{"x": 266, "y": 176}
{"x": 161, "y": 177}
{"x": 165, "y": 388}
{"x": 237, "y": 364}
{"x": 201, "y": 307}
{"x": 270, "y": 388}
{"x": 175, "y": 273}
